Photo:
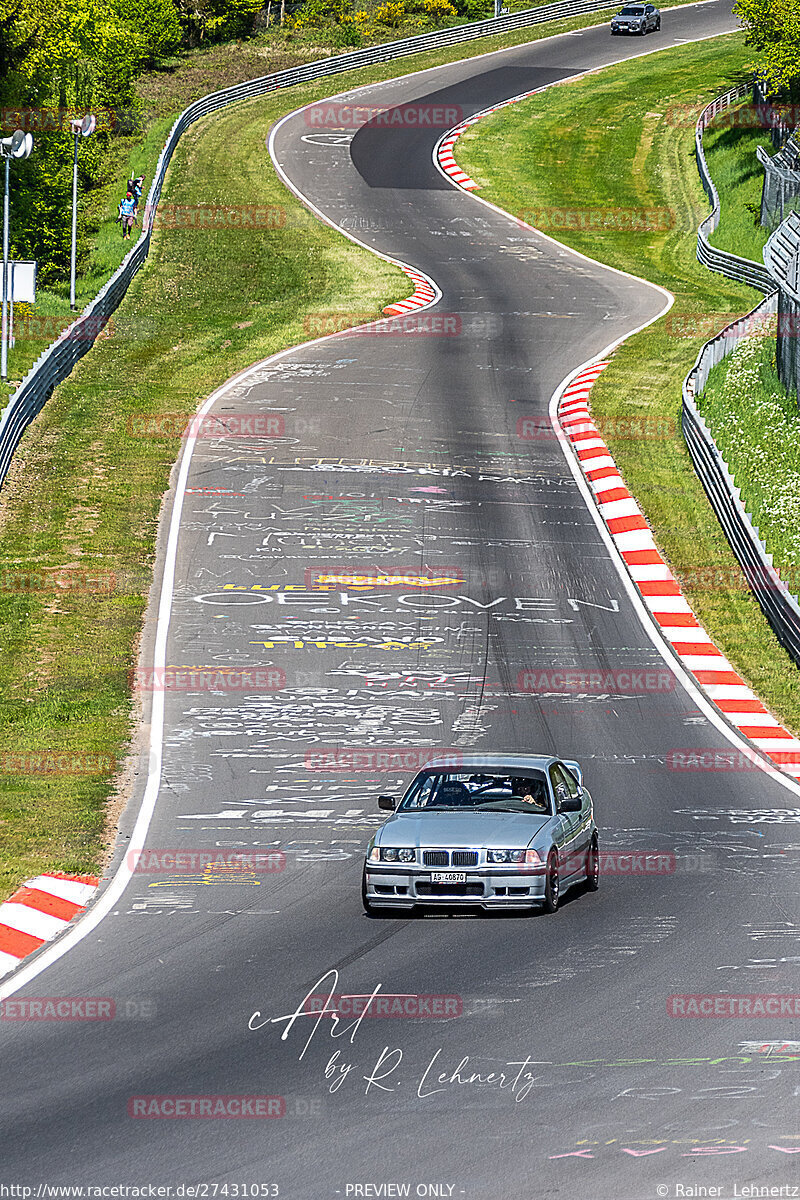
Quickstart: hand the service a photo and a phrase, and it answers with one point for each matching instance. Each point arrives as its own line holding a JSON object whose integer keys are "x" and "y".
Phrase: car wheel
{"x": 592, "y": 867}
{"x": 552, "y": 886}
{"x": 658, "y": 24}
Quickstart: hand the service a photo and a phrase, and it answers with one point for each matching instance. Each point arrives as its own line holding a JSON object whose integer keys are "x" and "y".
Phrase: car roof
{"x": 470, "y": 761}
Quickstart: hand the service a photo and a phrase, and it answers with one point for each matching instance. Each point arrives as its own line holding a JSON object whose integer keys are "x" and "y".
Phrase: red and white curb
{"x": 443, "y": 150}
{"x": 444, "y": 156}
{"x": 38, "y": 911}
{"x": 424, "y": 293}
{"x": 660, "y": 590}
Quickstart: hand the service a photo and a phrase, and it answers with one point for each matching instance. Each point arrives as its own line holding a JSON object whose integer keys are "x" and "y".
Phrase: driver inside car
{"x": 531, "y": 791}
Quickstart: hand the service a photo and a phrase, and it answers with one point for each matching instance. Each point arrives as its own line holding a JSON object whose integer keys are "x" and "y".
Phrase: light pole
{"x": 19, "y": 145}
{"x": 81, "y": 129}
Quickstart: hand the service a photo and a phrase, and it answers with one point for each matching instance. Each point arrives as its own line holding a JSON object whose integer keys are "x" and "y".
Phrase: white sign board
{"x": 22, "y": 281}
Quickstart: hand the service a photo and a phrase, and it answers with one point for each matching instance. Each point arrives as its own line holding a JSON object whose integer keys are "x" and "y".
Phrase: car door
{"x": 650, "y": 16}
{"x": 565, "y": 826}
{"x": 581, "y": 821}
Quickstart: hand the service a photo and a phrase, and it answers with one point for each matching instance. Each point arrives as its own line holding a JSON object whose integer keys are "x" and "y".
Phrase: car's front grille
{"x": 450, "y": 858}
{"x": 436, "y": 858}
{"x": 465, "y": 858}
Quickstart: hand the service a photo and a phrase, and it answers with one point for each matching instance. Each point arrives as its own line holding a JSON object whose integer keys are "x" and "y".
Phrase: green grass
{"x": 738, "y": 175}
{"x": 632, "y": 154}
{"x": 756, "y": 425}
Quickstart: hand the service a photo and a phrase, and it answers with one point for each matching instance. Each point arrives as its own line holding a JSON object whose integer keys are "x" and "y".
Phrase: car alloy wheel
{"x": 593, "y": 867}
{"x": 552, "y": 885}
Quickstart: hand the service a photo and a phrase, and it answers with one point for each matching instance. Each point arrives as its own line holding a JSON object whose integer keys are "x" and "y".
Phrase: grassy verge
{"x": 633, "y": 156}
{"x": 757, "y": 427}
{"x": 730, "y": 144}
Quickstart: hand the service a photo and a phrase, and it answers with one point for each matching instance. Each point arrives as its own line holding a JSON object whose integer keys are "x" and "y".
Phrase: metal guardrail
{"x": 743, "y": 270}
{"x": 58, "y": 360}
{"x": 780, "y": 607}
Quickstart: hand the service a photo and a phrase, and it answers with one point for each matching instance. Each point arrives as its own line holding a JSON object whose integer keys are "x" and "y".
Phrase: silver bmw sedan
{"x": 497, "y": 831}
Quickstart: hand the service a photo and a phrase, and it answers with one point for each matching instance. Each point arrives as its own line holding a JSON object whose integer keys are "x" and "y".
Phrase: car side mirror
{"x": 387, "y": 802}
{"x": 572, "y": 804}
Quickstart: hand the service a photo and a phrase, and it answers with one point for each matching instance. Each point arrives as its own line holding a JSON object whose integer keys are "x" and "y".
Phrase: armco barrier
{"x": 780, "y": 607}
{"x": 57, "y": 361}
{"x": 729, "y": 265}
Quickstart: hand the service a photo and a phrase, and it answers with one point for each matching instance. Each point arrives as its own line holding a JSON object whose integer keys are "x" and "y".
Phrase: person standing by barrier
{"x": 138, "y": 184}
{"x": 127, "y": 215}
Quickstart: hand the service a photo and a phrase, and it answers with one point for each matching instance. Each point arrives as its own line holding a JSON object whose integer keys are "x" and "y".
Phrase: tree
{"x": 157, "y": 25}
{"x": 218, "y": 20}
{"x": 18, "y": 30}
{"x": 773, "y": 30}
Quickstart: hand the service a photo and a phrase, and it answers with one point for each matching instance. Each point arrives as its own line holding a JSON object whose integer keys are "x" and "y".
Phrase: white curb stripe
{"x": 65, "y": 889}
{"x": 30, "y": 920}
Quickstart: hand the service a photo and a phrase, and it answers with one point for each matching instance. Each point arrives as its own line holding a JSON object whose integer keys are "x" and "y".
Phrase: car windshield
{"x": 478, "y": 791}
{"x": 629, "y": 11}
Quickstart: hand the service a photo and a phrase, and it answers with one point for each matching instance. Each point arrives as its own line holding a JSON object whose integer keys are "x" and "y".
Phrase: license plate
{"x": 449, "y": 877}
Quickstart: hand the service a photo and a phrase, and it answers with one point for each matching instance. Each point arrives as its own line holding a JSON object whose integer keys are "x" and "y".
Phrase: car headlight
{"x": 529, "y": 857}
{"x": 506, "y": 856}
{"x": 397, "y": 854}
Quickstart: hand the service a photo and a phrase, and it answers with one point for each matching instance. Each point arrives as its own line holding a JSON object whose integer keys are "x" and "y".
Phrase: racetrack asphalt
{"x": 402, "y": 453}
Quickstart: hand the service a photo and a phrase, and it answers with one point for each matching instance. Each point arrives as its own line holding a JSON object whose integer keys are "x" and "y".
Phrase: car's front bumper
{"x": 484, "y": 886}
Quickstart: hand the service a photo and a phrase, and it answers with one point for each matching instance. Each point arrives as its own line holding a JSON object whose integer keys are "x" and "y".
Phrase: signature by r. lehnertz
{"x": 517, "y": 1078}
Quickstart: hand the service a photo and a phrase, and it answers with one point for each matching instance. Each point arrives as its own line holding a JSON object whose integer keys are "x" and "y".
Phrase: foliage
{"x": 66, "y": 57}
{"x": 474, "y": 10}
{"x": 439, "y": 10}
{"x": 773, "y": 31}
{"x": 217, "y": 20}
{"x": 391, "y": 13}
{"x": 157, "y": 25}
{"x": 347, "y": 33}
{"x": 316, "y": 13}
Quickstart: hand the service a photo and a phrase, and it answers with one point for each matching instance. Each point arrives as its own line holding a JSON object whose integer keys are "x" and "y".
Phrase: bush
{"x": 315, "y": 14}
{"x": 157, "y": 24}
{"x": 474, "y": 10}
{"x": 346, "y": 34}
{"x": 439, "y": 10}
{"x": 391, "y": 13}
